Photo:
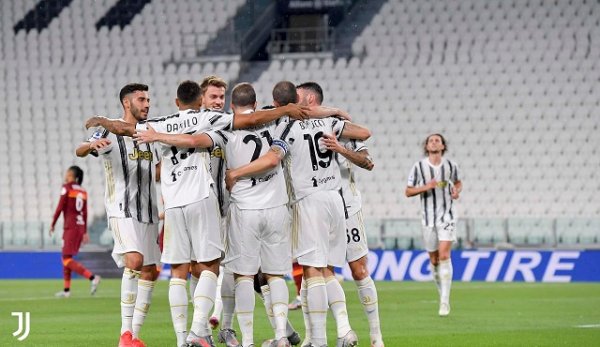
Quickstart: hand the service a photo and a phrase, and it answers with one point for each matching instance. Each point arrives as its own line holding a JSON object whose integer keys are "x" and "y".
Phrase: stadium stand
{"x": 512, "y": 84}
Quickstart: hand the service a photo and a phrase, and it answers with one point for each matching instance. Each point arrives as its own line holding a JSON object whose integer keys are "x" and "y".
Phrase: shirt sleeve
{"x": 456, "y": 174}
{"x": 353, "y": 145}
{"x": 219, "y": 137}
{"x": 413, "y": 176}
{"x": 338, "y": 126}
{"x": 158, "y": 124}
{"x": 282, "y": 132}
{"x": 61, "y": 204}
{"x": 100, "y": 133}
{"x": 220, "y": 120}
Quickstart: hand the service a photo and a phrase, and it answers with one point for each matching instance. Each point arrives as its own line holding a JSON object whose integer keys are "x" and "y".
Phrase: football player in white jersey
{"x": 437, "y": 181}
{"x": 131, "y": 206}
{"x": 192, "y": 225}
{"x": 212, "y": 90}
{"x": 313, "y": 179}
{"x": 348, "y": 154}
{"x": 213, "y": 97}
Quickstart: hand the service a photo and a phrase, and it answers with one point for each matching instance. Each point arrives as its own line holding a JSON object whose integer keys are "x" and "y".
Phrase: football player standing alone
{"x": 73, "y": 206}
{"x": 437, "y": 181}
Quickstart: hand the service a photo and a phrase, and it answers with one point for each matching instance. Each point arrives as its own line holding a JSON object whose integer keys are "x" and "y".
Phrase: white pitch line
{"x": 585, "y": 326}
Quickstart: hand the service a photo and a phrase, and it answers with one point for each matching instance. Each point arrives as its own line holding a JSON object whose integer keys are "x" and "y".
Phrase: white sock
{"x": 193, "y": 284}
{"x": 445, "y": 268}
{"x": 337, "y": 303}
{"x": 142, "y": 304}
{"x": 367, "y": 293}
{"x": 129, "y": 286}
{"x": 266, "y": 295}
{"x": 280, "y": 297}
{"x": 435, "y": 272}
{"x": 317, "y": 309}
{"x": 204, "y": 298}
{"x": 228, "y": 299}
{"x": 305, "y": 315}
{"x": 244, "y": 308}
{"x": 218, "y": 302}
{"x": 178, "y": 300}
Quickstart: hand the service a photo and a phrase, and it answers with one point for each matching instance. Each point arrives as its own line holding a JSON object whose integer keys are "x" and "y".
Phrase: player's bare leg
{"x": 204, "y": 297}
{"x": 336, "y": 299}
{"x": 367, "y": 293}
{"x": 70, "y": 265}
{"x": 178, "y": 301}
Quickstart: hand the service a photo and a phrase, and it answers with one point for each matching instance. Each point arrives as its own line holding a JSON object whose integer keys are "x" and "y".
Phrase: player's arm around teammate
{"x": 278, "y": 151}
{"x": 361, "y": 158}
{"x": 119, "y": 127}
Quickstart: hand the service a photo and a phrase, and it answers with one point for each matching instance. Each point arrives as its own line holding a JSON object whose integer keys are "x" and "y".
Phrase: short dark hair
{"x": 315, "y": 88}
{"x": 243, "y": 94}
{"x": 76, "y": 170}
{"x": 284, "y": 93}
{"x": 188, "y": 92}
{"x": 212, "y": 80}
{"x": 130, "y": 88}
{"x": 443, "y": 143}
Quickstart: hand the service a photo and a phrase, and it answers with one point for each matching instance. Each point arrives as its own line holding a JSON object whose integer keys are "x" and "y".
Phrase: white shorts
{"x": 259, "y": 239}
{"x": 130, "y": 235}
{"x": 193, "y": 232}
{"x": 441, "y": 232}
{"x": 356, "y": 238}
{"x": 318, "y": 225}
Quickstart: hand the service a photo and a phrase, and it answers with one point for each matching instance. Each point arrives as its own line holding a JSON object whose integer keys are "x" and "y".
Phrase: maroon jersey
{"x": 73, "y": 205}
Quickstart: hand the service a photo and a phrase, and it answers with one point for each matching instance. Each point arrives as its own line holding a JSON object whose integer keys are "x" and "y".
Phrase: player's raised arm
{"x": 115, "y": 126}
{"x": 359, "y": 158}
{"x": 242, "y": 121}
{"x": 177, "y": 140}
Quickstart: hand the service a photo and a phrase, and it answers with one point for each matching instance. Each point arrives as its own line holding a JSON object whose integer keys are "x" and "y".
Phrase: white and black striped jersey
{"x": 217, "y": 167}
{"x": 185, "y": 176}
{"x": 350, "y": 192}
{"x": 309, "y": 167}
{"x": 129, "y": 171}
{"x": 436, "y": 203}
{"x": 261, "y": 191}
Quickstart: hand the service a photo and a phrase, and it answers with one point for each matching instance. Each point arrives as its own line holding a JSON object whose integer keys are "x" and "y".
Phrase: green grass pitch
{"x": 483, "y": 314}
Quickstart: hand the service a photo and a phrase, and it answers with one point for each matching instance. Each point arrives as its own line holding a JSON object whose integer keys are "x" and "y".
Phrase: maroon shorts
{"x": 72, "y": 241}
